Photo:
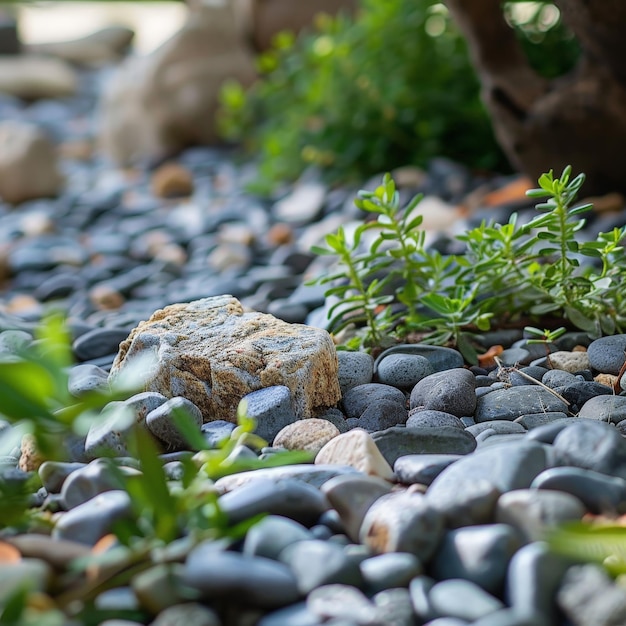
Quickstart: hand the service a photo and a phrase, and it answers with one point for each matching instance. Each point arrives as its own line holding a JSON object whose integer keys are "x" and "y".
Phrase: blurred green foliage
{"x": 393, "y": 86}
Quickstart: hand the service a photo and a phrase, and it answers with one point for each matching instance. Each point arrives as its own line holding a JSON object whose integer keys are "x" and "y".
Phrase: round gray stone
{"x": 452, "y": 391}
{"x": 606, "y": 354}
{"x": 404, "y": 370}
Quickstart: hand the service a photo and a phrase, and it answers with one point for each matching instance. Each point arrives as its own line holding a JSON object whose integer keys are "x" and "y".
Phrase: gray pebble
{"x": 508, "y": 404}
{"x": 600, "y": 493}
{"x": 289, "y": 498}
{"x": 440, "y": 358}
{"x": 480, "y": 554}
{"x": 604, "y": 408}
{"x": 398, "y": 441}
{"x": 422, "y": 468}
{"x": 531, "y": 421}
{"x": 142, "y": 403}
{"x": 355, "y": 368}
{"x": 271, "y": 535}
{"x": 387, "y": 571}
{"x": 452, "y": 391}
{"x": 190, "y": 614}
{"x": 99, "y": 342}
{"x": 272, "y": 408}
{"x": 501, "y": 427}
{"x": 419, "y": 590}
{"x": 90, "y": 521}
{"x": 358, "y": 399}
{"x": 462, "y": 599}
{"x": 379, "y": 416}
{"x": 606, "y": 354}
{"x": 85, "y": 378}
{"x": 296, "y": 614}
{"x": 558, "y": 378}
{"x": 419, "y": 418}
{"x": 316, "y": 563}
{"x": 403, "y": 370}
{"x": 217, "y": 574}
{"x": 162, "y": 421}
{"x": 216, "y": 432}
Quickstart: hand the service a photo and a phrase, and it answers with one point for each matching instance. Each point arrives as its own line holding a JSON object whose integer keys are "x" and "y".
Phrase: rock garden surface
{"x": 431, "y": 485}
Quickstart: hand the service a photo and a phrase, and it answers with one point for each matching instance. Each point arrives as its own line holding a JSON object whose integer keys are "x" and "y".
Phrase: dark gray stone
{"x": 216, "y": 432}
{"x": 99, "y": 342}
{"x": 480, "y": 554}
{"x": 508, "y": 404}
{"x": 440, "y": 358}
{"x": 358, "y": 399}
{"x": 420, "y": 418}
{"x": 422, "y": 468}
{"x": 463, "y": 599}
{"x": 398, "y": 441}
{"x": 604, "y": 408}
{"x": 501, "y": 427}
{"x": 255, "y": 581}
{"x": 162, "y": 422}
{"x": 355, "y": 368}
{"x": 272, "y": 408}
{"x": 452, "y": 391}
{"x": 606, "y": 354}
{"x": 403, "y": 370}
{"x": 387, "y": 571}
{"x": 269, "y": 536}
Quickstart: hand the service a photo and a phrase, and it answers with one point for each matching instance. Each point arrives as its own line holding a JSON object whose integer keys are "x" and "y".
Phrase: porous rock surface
{"x": 213, "y": 353}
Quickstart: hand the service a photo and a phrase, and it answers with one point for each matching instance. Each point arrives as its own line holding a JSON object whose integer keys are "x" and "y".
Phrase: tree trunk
{"x": 577, "y": 119}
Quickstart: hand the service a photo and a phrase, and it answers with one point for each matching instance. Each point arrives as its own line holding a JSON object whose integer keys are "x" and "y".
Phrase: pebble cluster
{"x": 433, "y": 485}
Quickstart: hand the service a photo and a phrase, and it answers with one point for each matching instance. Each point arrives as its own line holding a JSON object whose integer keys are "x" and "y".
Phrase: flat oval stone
{"x": 600, "y": 493}
{"x": 508, "y": 404}
{"x": 388, "y": 571}
{"x": 422, "y": 468}
{"x": 289, "y": 498}
{"x": 452, "y": 391}
{"x": 501, "y": 427}
{"x": 358, "y": 399}
{"x": 88, "y": 481}
{"x": 437, "y": 419}
{"x": 99, "y": 342}
{"x": 85, "y": 377}
{"x": 162, "y": 421}
{"x": 480, "y": 554}
{"x": 463, "y": 599}
{"x": 604, "y": 408}
{"x": 341, "y": 602}
{"x": 315, "y": 563}
{"x": 269, "y": 536}
{"x": 581, "y": 391}
{"x": 606, "y": 354}
{"x": 398, "y": 441}
{"x": 403, "y": 370}
{"x": 255, "y": 581}
{"x": 440, "y": 358}
{"x": 90, "y": 521}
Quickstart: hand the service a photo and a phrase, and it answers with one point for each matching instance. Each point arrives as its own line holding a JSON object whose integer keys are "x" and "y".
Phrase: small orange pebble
{"x": 606, "y": 379}
{"x": 9, "y": 553}
{"x": 579, "y": 349}
{"x": 106, "y": 298}
{"x": 515, "y": 190}
{"x": 172, "y": 180}
{"x": 487, "y": 359}
{"x": 101, "y": 546}
{"x": 280, "y": 234}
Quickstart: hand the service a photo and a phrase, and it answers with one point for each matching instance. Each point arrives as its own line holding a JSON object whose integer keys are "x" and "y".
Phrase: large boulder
{"x": 156, "y": 105}
{"x": 28, "y": 163}
{"x": 213, "y": 353}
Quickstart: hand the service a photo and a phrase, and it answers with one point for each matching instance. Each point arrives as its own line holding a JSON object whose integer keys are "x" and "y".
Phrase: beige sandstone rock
{"x": 30, "y": 458}
{"x": 570, "y": 361}
{"x": 33, "y": 76}
{"x": 98, "y": 48}
{"x": 213, "y": 353}
{"x": 158, "y": 104}
{"x": 312, "y": 434}
{"x": 357, "y": 449}
{"x": 28, "y": 163}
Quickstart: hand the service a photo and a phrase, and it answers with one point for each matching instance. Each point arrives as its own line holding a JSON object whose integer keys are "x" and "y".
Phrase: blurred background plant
{"x": 392, "y": 86}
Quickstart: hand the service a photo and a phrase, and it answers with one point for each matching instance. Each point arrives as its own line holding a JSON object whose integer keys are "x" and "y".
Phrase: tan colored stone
{"x": 32, "y": 77}
{"x": 213, "y": 353}
{"x": 98, "y": 48}
{"x": 156, "y": 105}
{"x": 106, "y": 298}
{"x": 28, "y": 163}
{"x": 606, "y": 379}
{"x": 172, "y": 180}
{"x": 311, "y": 434}
{"x": 30, "y": 458}
{"x": 357, "y": 449}
{"x": 570, "y": 361}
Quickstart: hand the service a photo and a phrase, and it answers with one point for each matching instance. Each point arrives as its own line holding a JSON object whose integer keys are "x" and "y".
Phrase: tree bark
{"x": 577, "y": 119}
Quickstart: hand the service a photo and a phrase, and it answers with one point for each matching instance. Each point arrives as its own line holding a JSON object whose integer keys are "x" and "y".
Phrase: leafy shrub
{"x": 393, "y": 86}
{"x": 389, "y": 285}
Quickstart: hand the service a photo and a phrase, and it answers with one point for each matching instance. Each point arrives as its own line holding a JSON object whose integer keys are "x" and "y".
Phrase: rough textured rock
{"x": 32, "y": 77}
{"x": 213, "y": 354}
{"x": 28, "y": 163}
{"x": 156, "y": 105}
